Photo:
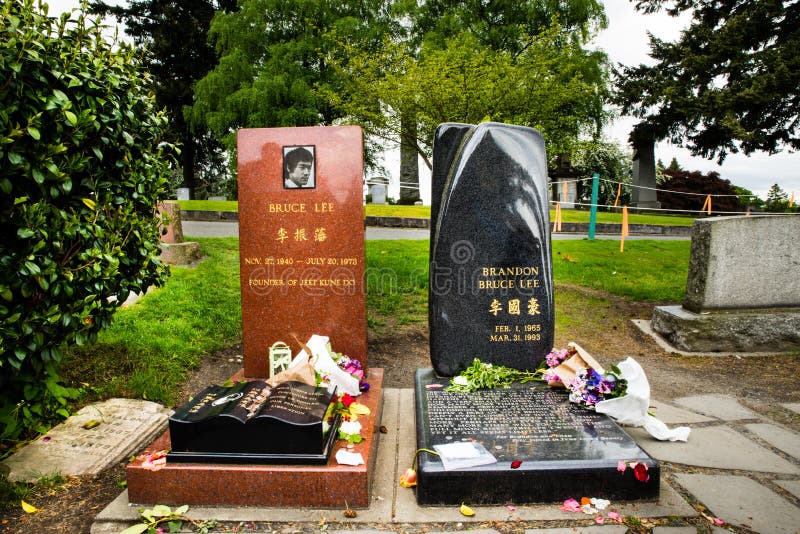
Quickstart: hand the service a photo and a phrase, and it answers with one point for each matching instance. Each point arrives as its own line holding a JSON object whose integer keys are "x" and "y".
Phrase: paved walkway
{"x": 738, "y": 466}
{"x": 231, "y": 229}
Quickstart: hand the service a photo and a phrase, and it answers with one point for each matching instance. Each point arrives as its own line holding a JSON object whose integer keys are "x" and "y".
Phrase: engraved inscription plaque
{"x": 547, "y": 449}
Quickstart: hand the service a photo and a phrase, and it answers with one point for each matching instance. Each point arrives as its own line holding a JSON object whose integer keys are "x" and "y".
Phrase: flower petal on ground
{"x": 571, "y": 505}
{"x": 409, "y": 478}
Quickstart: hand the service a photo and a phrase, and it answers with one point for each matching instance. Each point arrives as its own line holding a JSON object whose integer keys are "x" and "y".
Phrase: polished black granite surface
{"x": 547, "y": 449}
{"x": 491, "y": 282}
{"x": 253, "y": 422}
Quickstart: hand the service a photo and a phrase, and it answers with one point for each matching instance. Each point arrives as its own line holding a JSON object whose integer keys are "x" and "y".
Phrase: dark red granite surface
{"x": 315, "y": 486}
{"x": 301, "y": 250}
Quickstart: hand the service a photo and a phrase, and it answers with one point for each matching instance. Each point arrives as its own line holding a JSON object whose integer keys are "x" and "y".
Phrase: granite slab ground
{"x": 762, "y": 495}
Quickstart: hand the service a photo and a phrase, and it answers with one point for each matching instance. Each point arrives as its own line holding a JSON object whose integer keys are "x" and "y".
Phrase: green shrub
{"x": 81, "y": 169}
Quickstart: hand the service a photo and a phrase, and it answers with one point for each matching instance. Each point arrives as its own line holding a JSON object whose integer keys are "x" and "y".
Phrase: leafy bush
{"x": 81, "y": 169}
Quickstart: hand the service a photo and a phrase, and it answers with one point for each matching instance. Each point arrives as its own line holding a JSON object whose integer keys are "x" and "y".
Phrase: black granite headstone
{"x": 252, "y": 422}
{"x": 491, "y": 282}
{"x": 547, "y": 449}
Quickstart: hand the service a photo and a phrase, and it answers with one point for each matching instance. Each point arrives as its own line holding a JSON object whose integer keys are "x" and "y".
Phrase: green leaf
{"x": 38, "y": 176}
{"x": 181, "y": 509}
{"x": 25, "y": 233}
{"x": 33, "y": 132}
{"x": 161, "y": 510}
{"x": 135, "y": 529}
{"x": 89, "y": 203}
{"x": 71, "y": 117}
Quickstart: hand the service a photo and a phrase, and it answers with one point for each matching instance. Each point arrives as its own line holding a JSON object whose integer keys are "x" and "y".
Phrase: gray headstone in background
{"x": 491, "y": 274}
{"x": 744, "y": 263}
{"x": 183, "y": 193}
{"x": 126, "y": 425}
{"x": 378, "y": 192}
{"x": 742, "y": 290}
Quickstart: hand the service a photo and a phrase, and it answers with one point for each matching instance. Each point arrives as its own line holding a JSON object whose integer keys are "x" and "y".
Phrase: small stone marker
{"x": 491, "y": 281}
{"x": 126, "y": 425}
{"x": 174, "y": 250}
{"x": 301, "y": 240}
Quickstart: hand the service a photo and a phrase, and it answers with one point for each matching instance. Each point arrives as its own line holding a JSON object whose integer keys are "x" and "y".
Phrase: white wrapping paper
{"x": 323, "y": 362}
{"x": 631, "y": 409}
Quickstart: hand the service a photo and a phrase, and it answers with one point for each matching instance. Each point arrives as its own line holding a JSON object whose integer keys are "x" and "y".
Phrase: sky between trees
{"x": 625, "y": 41}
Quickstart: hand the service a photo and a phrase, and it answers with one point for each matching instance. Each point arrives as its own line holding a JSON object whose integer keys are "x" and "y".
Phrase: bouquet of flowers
{"x": 590, "y": 386}
{"x": 622, "y": 393}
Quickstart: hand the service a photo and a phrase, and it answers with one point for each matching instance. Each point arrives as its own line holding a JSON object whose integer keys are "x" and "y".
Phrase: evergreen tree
{"x": 777, "y": 200}
{"x": 174, "y": 34}
{"x": 275, "y": 58}
{"x": 728, "y": 84}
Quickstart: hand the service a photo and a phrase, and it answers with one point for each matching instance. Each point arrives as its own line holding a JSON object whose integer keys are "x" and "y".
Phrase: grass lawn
{"x": 209, "y": 205}
{"x": 381, "y": 210}
{"x": 151, "y": 346}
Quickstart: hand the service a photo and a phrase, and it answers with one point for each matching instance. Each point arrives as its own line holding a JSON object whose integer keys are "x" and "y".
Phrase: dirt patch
{"x": 599, "y": 322}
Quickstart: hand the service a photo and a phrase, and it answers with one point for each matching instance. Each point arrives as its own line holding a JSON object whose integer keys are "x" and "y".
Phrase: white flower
{"x": 350, "y": 427}
{"x": 600, "y": 504}
{"x": 461, "y": 381}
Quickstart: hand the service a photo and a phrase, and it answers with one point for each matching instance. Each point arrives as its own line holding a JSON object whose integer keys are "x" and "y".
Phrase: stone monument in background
{"x": 491, "y": 298}
{"x": 174, "y": 250}
{"x": 644, "y": 168}
{"x": 742, "y": 289}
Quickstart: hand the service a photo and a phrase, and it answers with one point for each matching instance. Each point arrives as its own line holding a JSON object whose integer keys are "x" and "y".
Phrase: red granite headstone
{"x": 301, "y": 240}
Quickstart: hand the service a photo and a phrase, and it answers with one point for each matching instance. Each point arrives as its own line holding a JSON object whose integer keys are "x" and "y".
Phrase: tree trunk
{"x": 409, "y": 160}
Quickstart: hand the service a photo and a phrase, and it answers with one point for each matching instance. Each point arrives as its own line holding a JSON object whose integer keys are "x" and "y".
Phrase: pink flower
{"x": 614, "y": 516}
{"x": 621, "y": 467}
{"x": 571, "y": 505}
{"x": 599, "y": 520}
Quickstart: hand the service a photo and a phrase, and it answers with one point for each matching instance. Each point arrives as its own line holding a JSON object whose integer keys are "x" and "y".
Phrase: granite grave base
{"x": 547, "y": 449}
{"x": 218, "y": 484}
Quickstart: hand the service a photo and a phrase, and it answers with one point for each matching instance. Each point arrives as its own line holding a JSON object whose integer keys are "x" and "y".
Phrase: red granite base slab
{"x": 315, "y": 486}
